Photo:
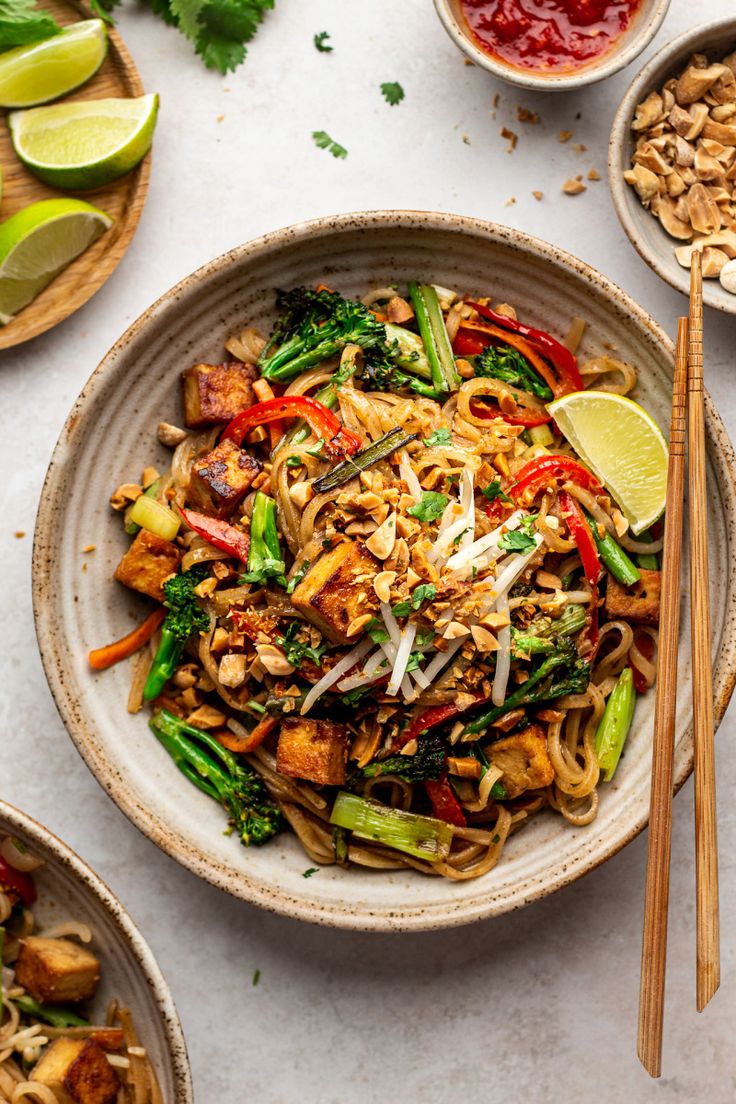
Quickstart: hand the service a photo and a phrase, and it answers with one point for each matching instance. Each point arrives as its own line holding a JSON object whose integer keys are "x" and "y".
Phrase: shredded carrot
{"x": 323, "y": 287}
{"x": 263, "y": 392}
{"x": 242, "y": 745}
{"x": 379, "y": 315}
{"x": 101, "y": 658}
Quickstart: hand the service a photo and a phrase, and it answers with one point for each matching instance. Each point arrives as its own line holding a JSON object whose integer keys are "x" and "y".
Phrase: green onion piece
{"x": 421, "y": 836}
{"x": 434, "y": 335}
{"x": 647, "y": 560}
{"x": 615, "y": 724}
{"x": 571, "y": 620}
{"x": 265, "y": 559}
{"x": 618, "y": 563}
{"x": 541, "y": 435}
{"x": 410, "y": 352}
{"x": 129, "y": 526}
{"x": 57, "y": 1017}
{"x": 379, "y": 450}
{"x": 156, "y": 518}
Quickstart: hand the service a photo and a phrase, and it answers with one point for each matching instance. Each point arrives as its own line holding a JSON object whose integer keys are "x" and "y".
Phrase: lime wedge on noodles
{"x": 622, "y": 445}
{"x": 45, "y": 70}
{"x": 86, "y": 144}
{"x": 38, "y": 242}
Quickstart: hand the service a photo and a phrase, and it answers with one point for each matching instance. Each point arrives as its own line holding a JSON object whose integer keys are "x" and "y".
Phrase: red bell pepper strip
{"x": 17, "y": 883}
{"x": 563, "y": 360}
{"x": 429, "y": 718}
{"x": 645, "y": 644}
{"x": 339, "y": 441}
{"x": 444, "y": 803}
{"x": 219, "y": 533}
{"x": 466, "y": 344}
{"x": 581, "y": 534}
{"x": 543, "y": 471}
{"x": 491, "y": 334}
{"x": 104, "y": 657}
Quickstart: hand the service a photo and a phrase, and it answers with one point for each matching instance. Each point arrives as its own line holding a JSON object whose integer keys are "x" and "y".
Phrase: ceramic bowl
{"x": 110, "y": 437}
{"x": 652, "y": 243}
{"x": 628, "y": 46}
{"x": 68, "y": 889}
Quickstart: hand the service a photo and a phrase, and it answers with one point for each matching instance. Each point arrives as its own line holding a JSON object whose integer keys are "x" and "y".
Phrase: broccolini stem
{"x": 618, "y": 563}
{"x": 434, "y": 335}
{"x": 265, "y": 560}
{"x": 615, "y": 724}
{"x": 57, "y": 1017}
{"x": 164, "y": 663}
{"x": 520, "y": 696}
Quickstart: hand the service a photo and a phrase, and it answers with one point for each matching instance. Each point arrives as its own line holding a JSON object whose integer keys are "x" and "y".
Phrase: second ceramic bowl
{"x": 110, "y": 436}
{"x": 652, "y": 243}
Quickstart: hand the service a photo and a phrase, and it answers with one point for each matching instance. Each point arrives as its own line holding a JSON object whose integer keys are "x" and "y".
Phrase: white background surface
{"x": 531, "y": 1006}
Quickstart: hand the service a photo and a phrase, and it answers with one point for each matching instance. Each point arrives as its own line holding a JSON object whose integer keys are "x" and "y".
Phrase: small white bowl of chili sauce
{"x": 551, "y": 45}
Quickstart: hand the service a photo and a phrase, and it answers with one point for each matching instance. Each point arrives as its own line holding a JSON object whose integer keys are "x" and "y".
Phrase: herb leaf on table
{"x": 22, "y": 23}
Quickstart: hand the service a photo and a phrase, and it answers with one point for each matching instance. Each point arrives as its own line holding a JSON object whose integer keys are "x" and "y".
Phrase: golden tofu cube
{"x": 639, "y": 602}
{"x": 148, "y": 563}
{"x": 215, "y": 393}
{"x": 337, "y": 589}
{"x": 77, "y": 1072}
{"x": 524, "y": 761}
{"x": 56, "y": 970}
{"x": 221, "y": 478}
{"x": 314, "y": 750}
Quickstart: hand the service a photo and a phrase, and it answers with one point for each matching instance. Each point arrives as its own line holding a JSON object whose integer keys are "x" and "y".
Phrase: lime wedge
{"x": 85, "y": 144}
{"x": 38, "y": 242}
{"x": 44, "y": 70}
{"x": 623, "y": 445}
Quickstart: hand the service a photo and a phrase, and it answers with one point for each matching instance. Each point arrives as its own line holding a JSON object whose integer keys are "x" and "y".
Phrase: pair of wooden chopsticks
{"x": 687, "y": 420}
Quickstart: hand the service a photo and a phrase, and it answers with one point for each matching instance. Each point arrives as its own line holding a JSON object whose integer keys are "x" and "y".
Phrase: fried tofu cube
{"x": 221, "y": 478}
{"x": 148, "y": 563}
{"x": 56, "y": 970}
{"x": 215, "y": 393}
{"x": 77, "y": 1072}
{"x": 314, "y": 750}
{"x": 639, "y": 602}
{"x": 337, "y": 589}
{"x": 524, "y": 761}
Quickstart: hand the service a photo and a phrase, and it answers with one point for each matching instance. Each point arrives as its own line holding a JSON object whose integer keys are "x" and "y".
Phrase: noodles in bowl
{"x": 391, "y": 601}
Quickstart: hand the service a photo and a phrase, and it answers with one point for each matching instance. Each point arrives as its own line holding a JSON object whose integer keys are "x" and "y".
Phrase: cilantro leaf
{"x": 294, "y": 461}
{"x": 377, "y": 631}
{"x": 21, "y": 23}
{"x": 308, "y": 873}
{"x": 425, "y": 592}
{"x": 103, "y": 8}
{"x": 516, "y": 541}
{"x": 430, "y": 506}
{"x": 401, "y": 609}
{"x": 323, "y": 140}
{"x": 320, "y": 41}
{"x": 296, "y": 651}
{"x": 219, "y": 29}
{"x": 441, "y": 436}
{"x": 493, "y": 491}
{"x": 295, "y": 581}
{"x": 392, "y": 92}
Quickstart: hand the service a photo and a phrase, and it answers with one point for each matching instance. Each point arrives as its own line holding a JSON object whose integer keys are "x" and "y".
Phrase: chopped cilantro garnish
{"x": 516, "y": 541}
{"x": 376, "y": 631}
{"x": 425, "y": 592}
{"x": 323, "y": 140}
{"x": 493, "y": 491}
{"x": 293, "y": 461}
{"x": 401, "y": 609}
{"x": 294, "y": 583}
{"x": 308, "y": 873}
{"x": 22, "y": 23}
{"x": 256, "y": 977}
{"x": 320, "y": 41}
{"x": 393, "y": 93}
{"x": 295, "y": 651}
{"x": 441, "y": 436}
{"x": 430, "y": 506}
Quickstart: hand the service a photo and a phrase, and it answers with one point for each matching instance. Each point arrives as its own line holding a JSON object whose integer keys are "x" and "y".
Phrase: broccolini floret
{"x": 216, "y": 771}
{"x": 427, "y": 762}
{"x": 503, "y": 362}
{"x": 184, "y": 618}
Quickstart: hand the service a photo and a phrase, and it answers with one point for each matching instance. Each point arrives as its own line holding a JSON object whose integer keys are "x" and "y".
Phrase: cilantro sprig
{"x": 392, "y": 92}
{"x": 21, "y": 23}
{"x": 430, "y": 506}
{"x": 320, "y": 41}
{"x": 323, "y": 140}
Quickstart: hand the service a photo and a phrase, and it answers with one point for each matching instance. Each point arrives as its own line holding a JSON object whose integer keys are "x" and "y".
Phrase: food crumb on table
{"x": 574, "y": 186}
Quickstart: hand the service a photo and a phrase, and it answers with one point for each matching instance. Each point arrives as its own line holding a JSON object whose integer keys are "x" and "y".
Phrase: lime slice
{"x": 38, "y": 242}
{"x": 44, "y": 70}
{"x": 85, "y": 144}
{"x": 623, "y": 445}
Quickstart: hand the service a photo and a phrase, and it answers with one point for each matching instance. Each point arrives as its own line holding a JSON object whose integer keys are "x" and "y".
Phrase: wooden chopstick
{"x": 656, "y": 899}
{"x": 708, "y": 969}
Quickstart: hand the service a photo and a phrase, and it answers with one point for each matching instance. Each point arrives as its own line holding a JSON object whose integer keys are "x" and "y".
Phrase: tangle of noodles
{"x": 456, "y": 576}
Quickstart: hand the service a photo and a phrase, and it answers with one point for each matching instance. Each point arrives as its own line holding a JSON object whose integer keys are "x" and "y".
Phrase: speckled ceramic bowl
{"x": 652, "y": 243}
{"x": 68, "y": 889}
{"x": 110, "y": 437}
{"x": 628, "y": 46}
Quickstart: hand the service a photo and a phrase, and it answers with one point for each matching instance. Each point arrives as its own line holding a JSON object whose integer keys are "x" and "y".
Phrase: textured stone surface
{"x": 523, "y": 1007}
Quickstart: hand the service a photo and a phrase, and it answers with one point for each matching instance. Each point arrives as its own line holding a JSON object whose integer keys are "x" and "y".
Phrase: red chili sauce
{"x": 548, "y": 35}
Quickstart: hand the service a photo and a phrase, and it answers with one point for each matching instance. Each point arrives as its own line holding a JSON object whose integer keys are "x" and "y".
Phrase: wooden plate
{"x": 123, "y": 200}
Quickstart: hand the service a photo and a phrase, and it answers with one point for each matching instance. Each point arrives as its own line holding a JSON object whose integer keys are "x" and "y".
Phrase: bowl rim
{"x": 643, "y": 82}
{"x": 610, "y": 63}
{"x": 51, "y": 847}
{"x": 238, "y": 883}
